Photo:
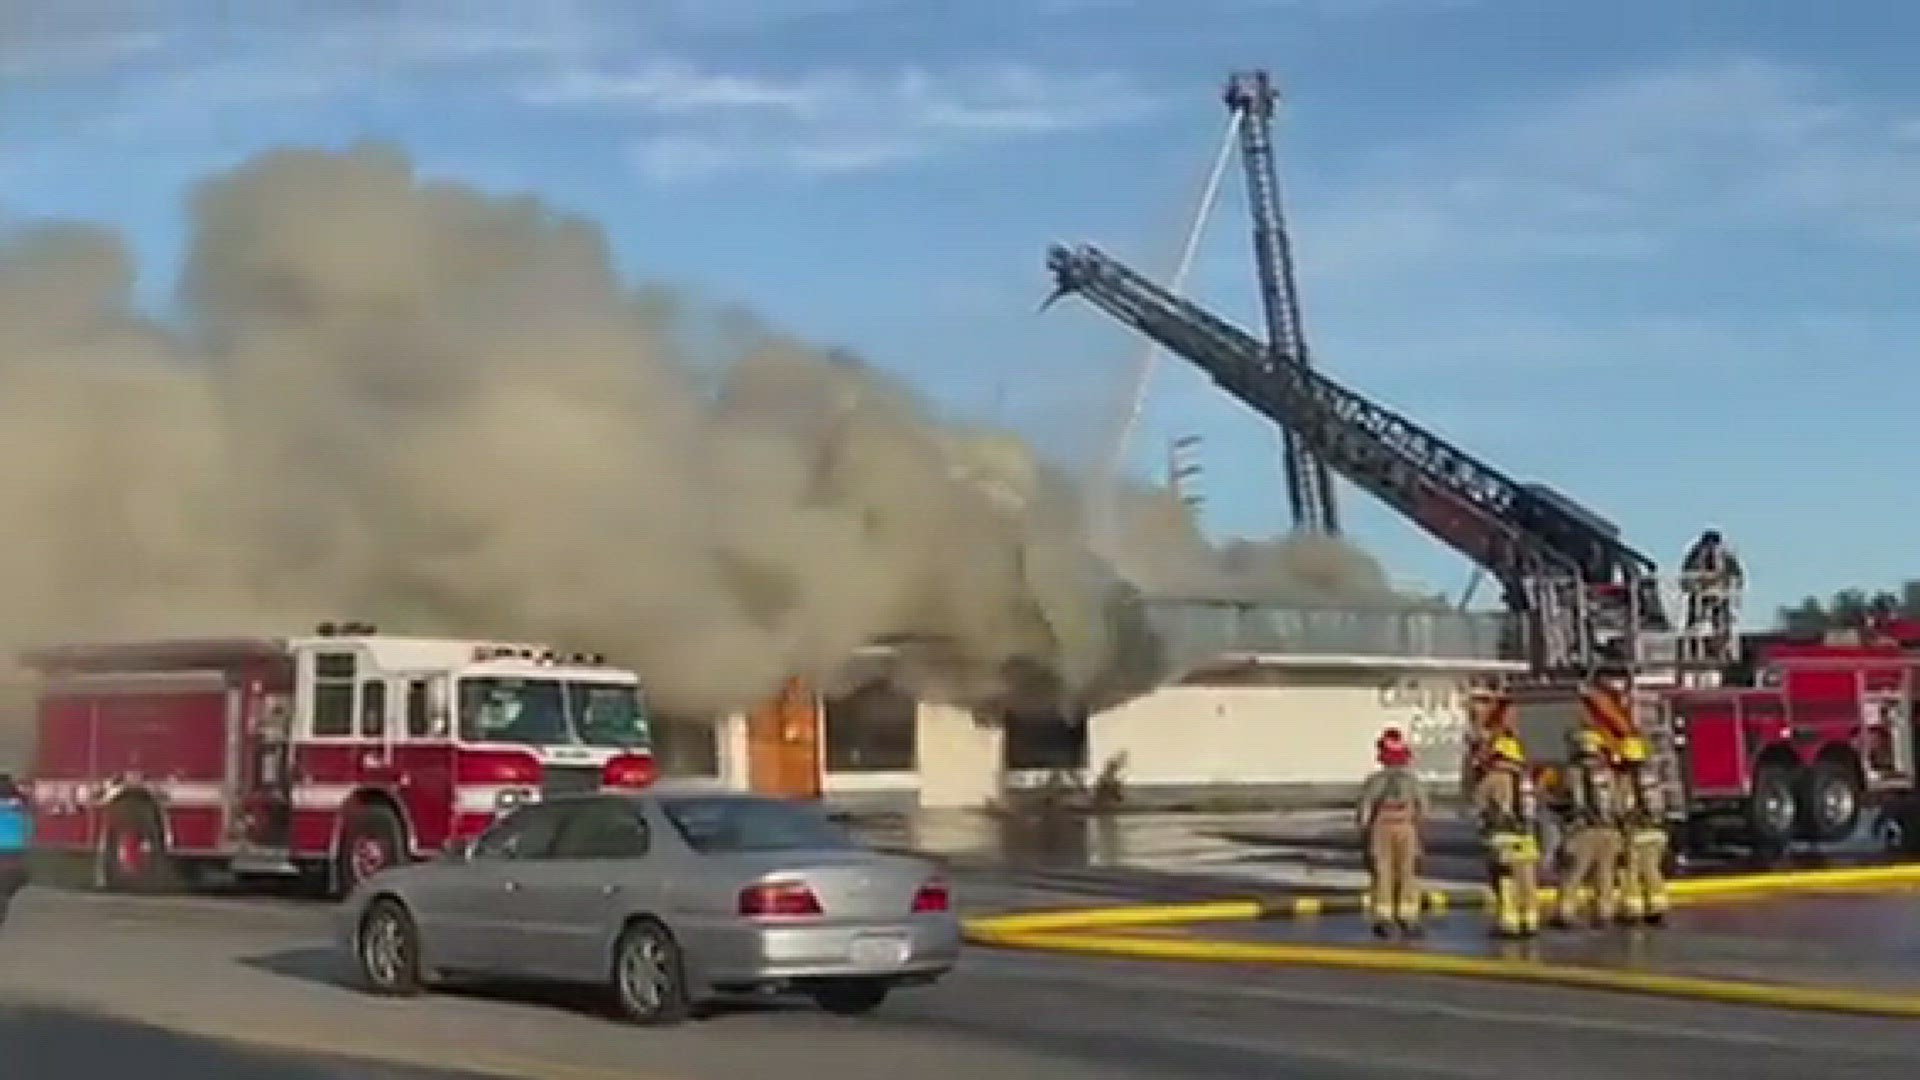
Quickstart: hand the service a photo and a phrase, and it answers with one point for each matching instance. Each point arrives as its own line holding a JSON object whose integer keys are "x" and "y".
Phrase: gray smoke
{"x": 442, "y": 411}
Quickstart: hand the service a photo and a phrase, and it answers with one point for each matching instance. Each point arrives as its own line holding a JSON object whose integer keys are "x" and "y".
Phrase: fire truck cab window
{"x": 530, "y": 712}
{"x": 373, "y": 709}
{"x": 333, "y": 690}
{"x": 419, "y": 723}
{"x": 608, "y": 715}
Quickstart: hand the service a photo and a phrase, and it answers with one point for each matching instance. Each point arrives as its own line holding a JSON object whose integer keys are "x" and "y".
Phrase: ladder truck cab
{"x": 325, "y": 757}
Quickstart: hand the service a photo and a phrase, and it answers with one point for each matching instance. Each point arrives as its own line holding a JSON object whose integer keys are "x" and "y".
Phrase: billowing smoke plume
{"x": 408, "y": 402}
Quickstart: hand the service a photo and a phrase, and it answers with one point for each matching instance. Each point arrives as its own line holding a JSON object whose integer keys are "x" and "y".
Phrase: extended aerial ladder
{"x": 1250, "y": 96}
{"x": 1588, "y": 601}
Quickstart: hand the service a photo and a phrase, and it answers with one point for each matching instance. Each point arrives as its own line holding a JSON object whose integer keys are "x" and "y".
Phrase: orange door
{"x": 783, "y": 743}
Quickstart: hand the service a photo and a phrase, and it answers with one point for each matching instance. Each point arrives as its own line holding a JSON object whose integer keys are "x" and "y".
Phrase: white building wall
{"x": 1308, "y": 727}
{"x": 959, "y": 758}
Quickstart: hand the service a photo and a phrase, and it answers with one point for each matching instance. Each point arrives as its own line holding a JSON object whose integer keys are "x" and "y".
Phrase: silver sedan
{"x": 666, "y": 900}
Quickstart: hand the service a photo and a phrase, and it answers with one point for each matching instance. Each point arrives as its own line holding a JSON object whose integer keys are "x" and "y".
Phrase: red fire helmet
{"x": 1392, "y": 748}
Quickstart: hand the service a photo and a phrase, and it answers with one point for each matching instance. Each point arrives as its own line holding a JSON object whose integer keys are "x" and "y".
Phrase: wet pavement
{"x": 1853, "y": 939}
{"x": 1189, "y": 855}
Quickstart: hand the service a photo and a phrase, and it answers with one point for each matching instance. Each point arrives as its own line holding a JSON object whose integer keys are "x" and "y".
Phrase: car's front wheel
{"x": 850, "y": 997}
{"x": 387, "y": 948}
{"x": 649, "y": 976}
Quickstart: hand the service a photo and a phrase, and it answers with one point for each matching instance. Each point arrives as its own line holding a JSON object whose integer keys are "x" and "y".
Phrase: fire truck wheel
{"x": 133, "y": 849}
{"x": 649, "y": 980}
{"x": 387, "y": 948}
{"x": 370, "y": 841}
{"x": 1773, "y": 812}
{"x": 1832, "y": 801}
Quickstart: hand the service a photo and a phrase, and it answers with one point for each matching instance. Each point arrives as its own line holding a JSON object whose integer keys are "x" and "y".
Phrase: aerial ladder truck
{"x": 1590, "y": 616}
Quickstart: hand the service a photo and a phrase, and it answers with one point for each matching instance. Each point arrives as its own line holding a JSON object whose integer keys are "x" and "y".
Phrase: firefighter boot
{"x": 1506, "y": 908}
{"x": 1525, "y": 874}
{"x": 1649, "y": 852}
{"x": 1633, "y": 902}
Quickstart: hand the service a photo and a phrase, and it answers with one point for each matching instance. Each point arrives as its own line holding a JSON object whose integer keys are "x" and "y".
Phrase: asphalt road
{"x": 46, "y": 1041}
{"x": 261, "y": 971}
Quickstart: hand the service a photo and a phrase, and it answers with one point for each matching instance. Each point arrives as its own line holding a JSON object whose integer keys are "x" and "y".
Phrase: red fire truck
{"x": 325, "y": 757}
{"x": 1793, "y": 741}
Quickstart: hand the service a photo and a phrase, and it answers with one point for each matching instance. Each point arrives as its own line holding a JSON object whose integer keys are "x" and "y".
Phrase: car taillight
{"x": 932, "y": 897}
{"x": 778, "y": 899}
{"x": 628, "y": 772}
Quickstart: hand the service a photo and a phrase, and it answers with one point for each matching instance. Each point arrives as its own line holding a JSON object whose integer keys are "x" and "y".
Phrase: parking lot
{"x": 259, "y": 971}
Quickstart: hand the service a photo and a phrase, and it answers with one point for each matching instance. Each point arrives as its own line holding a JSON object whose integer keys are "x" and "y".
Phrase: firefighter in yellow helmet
{"x": 1643, "y": 836}
{"x": 1592, "y": 840}
{"x": 1391, "y": 810}
{"x": 1505, "y": 804}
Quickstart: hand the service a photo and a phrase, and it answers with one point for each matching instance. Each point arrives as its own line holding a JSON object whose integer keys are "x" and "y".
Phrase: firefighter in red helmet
{"x": 1392, "y": 807}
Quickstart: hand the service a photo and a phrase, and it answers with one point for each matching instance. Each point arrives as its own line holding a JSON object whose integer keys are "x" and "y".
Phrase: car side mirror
{"x": 458, "y": 849}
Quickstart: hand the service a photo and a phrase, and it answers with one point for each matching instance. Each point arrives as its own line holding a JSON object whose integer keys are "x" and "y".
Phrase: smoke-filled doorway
{"x": 686, "y": 746}
{"x": 1043, "y": 738}
{"x": 870, "y": 728}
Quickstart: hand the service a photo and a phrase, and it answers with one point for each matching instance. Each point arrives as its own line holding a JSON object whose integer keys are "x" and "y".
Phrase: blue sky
{"x": 1657, "y": 254}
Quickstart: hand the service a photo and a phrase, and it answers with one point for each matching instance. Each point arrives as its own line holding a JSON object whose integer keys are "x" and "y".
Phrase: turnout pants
{"x": 1593, "y": 860}
{"x": 1643, "y": 886}
{"x": 1514, "y": 859}
{"x": 1393, "y": 862}
{"x": 13, "y": 878}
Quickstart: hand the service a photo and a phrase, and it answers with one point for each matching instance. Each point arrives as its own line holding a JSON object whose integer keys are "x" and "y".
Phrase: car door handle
{"x": 609, "y": 890}
{"x": 511, "y": 886}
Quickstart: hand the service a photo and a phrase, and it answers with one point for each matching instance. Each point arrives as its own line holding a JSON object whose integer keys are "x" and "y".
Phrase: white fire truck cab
{"x": 328, "y": 757}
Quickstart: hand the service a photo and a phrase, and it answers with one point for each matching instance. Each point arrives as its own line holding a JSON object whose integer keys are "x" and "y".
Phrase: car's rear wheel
{"x": 386, "y": 946}
{"x": 850, "y": 997}
{"x": 649, "y": 980}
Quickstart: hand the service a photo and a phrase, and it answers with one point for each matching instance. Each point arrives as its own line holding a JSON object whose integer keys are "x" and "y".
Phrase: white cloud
{"x": 838, "y": 120}
{"x": 1618, "y": 170}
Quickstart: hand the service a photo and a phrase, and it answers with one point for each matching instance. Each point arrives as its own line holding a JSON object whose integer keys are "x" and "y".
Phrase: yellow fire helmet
{"x": 1633, "y": 750}
{"x": 1507, "y": 748}
{"x": 1583, "y": 741}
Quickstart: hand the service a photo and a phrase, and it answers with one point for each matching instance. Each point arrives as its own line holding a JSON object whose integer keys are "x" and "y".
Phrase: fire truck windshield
{"x": 550, "y": 712}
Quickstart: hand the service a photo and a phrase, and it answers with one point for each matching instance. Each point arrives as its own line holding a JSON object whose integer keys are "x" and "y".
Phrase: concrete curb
{"x": 1078, "y": 931}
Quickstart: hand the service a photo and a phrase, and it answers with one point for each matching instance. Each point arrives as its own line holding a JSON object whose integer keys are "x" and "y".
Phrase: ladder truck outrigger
{"x": 1757, "y": 742}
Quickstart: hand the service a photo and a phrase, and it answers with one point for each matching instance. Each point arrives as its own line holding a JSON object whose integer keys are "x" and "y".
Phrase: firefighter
{"x": 1505, "y": 803}
{"x": 1592, "y": 839}
{"x": 15, "y": 825}
{"x": 1643, "y": 837}
{"x": 1392, "y": 807}
{"x": 1710, "y": 574}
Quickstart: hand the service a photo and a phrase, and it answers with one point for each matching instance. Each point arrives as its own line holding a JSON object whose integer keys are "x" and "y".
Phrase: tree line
{"x": 1849, "y": 608}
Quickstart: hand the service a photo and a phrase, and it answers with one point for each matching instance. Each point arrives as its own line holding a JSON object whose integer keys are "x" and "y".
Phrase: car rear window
{"x": 718, "y": 825}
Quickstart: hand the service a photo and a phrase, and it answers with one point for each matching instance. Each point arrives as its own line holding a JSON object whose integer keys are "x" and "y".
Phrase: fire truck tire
{"x": 1831, "y": 802}
{"x": 133, "y": 848}
{"x": 386, "y": 950}
{"x": 1773, "y": 812}
{"x": 371, "y": 840}
{"x": 648, "y": 981}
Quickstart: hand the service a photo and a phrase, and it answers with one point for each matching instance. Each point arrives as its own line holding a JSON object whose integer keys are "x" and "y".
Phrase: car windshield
{"x": 551, "y": 712}
{"x": 715, "y": 825}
